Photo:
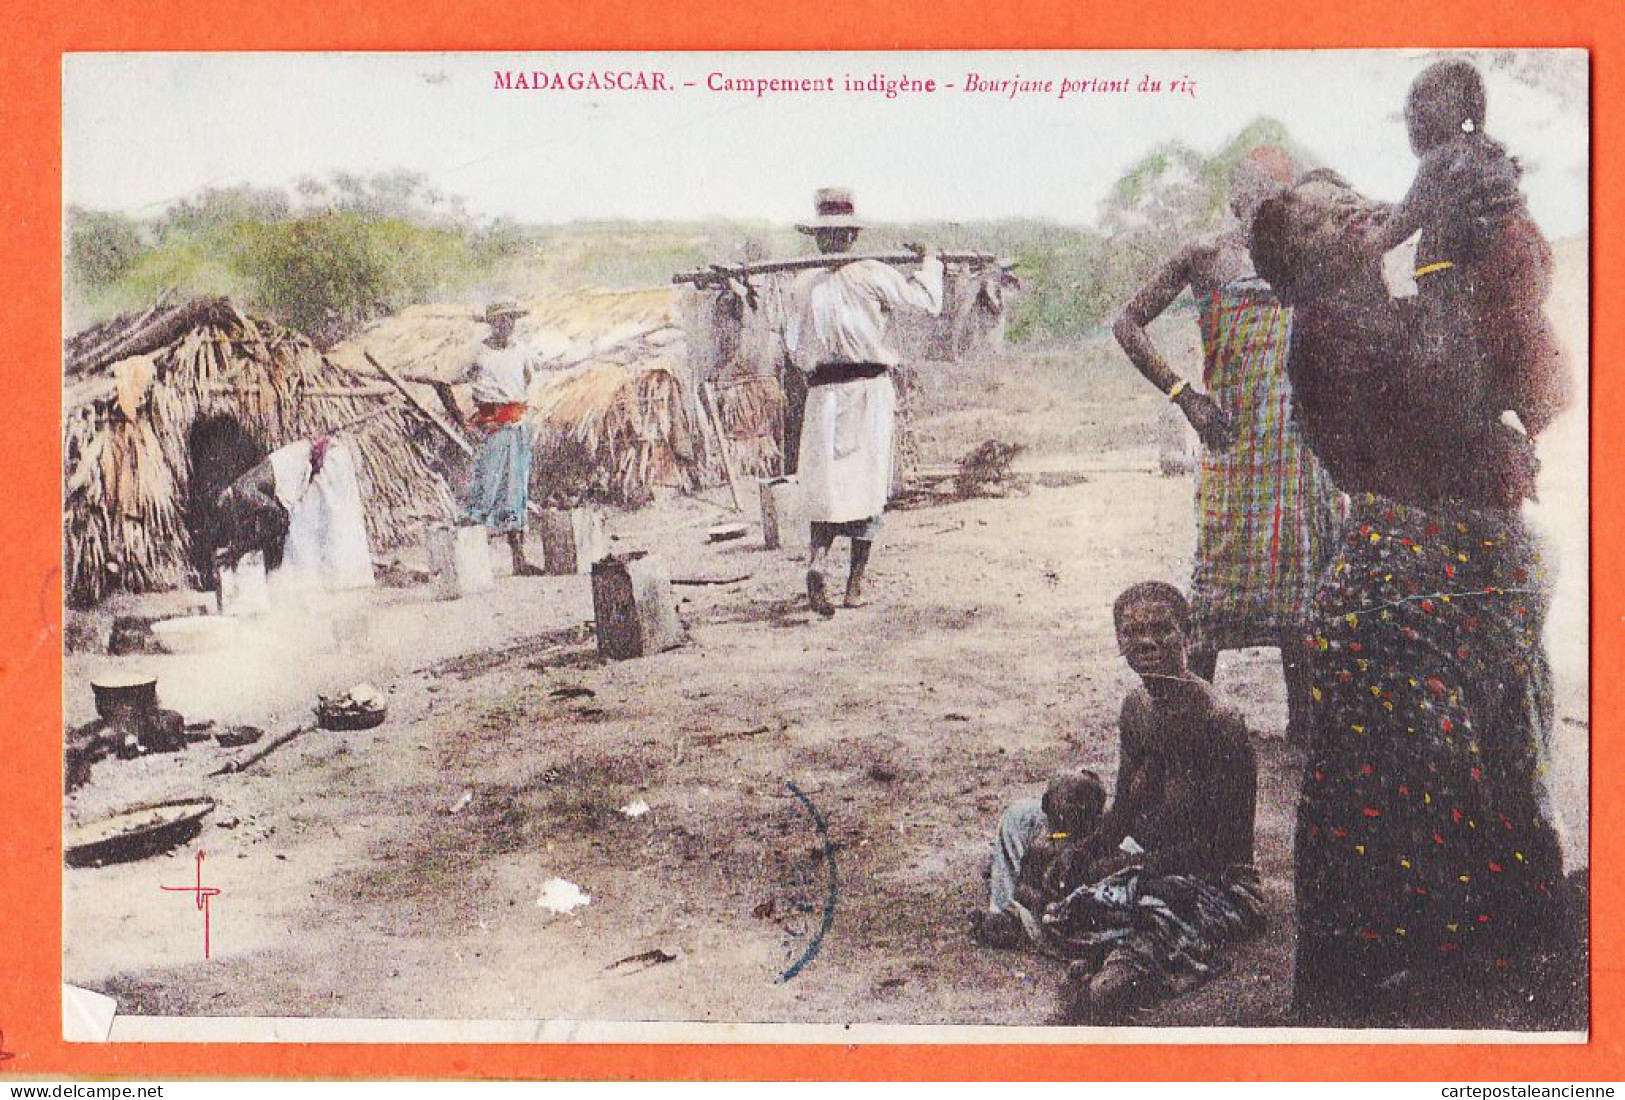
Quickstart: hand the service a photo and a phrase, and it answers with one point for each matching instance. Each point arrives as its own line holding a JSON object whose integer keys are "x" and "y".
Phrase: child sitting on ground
{"x": 1031, "y": 832}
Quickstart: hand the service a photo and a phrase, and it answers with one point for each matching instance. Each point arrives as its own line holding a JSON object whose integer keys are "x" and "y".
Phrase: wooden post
{"x": 633, "y": 608}
{"x": 572, "y": 540}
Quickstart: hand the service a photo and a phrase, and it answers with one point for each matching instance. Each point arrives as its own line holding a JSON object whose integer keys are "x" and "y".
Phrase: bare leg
{"x": 854, "y": 579}
{"x": 516, "y": 546}
{"x": 823, "y": 538}
{"x": 1107, "y": 995}
{"x": 1204, "y": 662}
{"x": 1120, "y": 987}
{"x": 1299, "y": 682}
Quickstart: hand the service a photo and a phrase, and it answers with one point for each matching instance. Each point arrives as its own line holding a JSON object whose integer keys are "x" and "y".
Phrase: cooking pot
{"x": 124, "y": 693}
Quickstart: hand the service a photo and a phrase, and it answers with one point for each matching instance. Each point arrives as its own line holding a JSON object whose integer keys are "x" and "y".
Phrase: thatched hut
{"x": 621, "y": 432}
{"x": 651, "y": 390}
{"x": 163, "y": 409}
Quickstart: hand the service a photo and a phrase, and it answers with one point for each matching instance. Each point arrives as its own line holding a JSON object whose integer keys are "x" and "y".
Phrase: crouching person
{"x": 250, "y": 516}
{"x": 1150, "y": 899}
{"x": 1031, "y": 832}
{"x": 301, "y": 506}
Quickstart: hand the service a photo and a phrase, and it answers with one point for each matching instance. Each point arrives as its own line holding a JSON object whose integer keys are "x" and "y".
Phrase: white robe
{"x": 327, "y": 536}
{"x": 842, "y": 316}
{"x": 845, "y": 465}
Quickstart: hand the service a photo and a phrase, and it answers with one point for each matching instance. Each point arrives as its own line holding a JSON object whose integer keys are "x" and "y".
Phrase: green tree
{"x": 216, "y": 211}
{"x": 102, "y": 247}
{"x": 328, "y": 272}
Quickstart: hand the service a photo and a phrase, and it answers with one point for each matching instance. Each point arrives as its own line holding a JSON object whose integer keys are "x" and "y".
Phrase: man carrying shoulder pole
{"x": 836, "y": 333}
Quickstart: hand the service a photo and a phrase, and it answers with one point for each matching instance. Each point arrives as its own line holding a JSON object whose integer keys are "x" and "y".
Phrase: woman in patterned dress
{"x": 1266, "y": 512}
{"x": 1428, "y": 878}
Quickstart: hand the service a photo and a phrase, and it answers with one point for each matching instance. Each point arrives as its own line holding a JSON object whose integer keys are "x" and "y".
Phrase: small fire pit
{"x": 360, "y": 708}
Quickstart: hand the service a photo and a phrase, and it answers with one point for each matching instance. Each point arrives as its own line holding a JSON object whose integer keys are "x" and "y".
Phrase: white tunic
{"x": 501, "y": 376}
{"x": 841, "y": 316}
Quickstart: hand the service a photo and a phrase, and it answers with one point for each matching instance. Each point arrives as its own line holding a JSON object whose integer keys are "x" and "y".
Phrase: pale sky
{"x": 142, "y": 130}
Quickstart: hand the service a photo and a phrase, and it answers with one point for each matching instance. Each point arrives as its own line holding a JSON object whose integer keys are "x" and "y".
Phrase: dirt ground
{"x": 396, "y": 872}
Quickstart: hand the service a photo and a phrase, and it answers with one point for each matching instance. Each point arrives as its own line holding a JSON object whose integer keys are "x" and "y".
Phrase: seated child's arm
{"x": 1030, "y": 891}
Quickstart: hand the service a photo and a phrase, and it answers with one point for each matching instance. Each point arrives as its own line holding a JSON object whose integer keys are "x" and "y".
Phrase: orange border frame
{"x": 30, "y": 685}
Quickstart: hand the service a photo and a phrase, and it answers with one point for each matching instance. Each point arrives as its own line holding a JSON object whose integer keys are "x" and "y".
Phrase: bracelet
{"x": 1176, "y": 389}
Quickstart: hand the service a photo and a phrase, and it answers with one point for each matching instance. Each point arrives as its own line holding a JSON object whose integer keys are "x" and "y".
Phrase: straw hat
{"x": 502, "y": 309}
{"x": 833, "y": 209}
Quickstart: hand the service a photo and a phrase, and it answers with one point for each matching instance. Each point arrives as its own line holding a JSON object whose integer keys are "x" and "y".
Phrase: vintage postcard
{"x": 837, "y": 547}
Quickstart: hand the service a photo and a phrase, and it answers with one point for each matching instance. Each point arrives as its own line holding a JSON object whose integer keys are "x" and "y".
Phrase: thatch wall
{"x": 616, "y": 432}
{"x": 160, "y": 410}
{"x": 739, "y": 350}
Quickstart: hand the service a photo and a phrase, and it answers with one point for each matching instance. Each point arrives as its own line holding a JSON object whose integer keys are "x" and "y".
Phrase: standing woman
{"x": 498, "y": 493}
{"x": 1266, "y": 512}
{"x": 1427, "y": 876}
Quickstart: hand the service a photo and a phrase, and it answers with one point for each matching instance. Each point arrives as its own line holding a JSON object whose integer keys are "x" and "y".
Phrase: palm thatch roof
{"x": 435, "y": 342}
{"x": 162, "y": 409}
{"x": 616, "y": 404}
{"x": 616, "y": 431}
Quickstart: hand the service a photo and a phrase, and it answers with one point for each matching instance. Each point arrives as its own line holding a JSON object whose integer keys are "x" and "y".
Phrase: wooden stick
{"x": 434, "y": 417}
{"x": 363, "y": 418}
{"x": 313, "y": 391}
{"x": 406, "y": 376}
{"x": 339, "y": 391}
{"x": 448, "y": 400}
{"x": 709, "y": 407}
{"x": 233, "y": 766}
{"x": 720, "y": 272}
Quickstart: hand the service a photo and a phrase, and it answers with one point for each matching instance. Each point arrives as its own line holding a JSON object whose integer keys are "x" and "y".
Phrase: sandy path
{"x": 984, "y": 666}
